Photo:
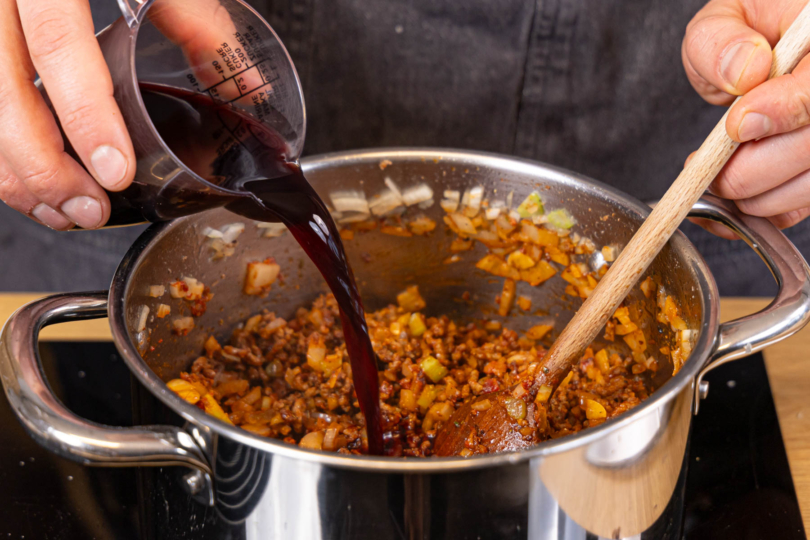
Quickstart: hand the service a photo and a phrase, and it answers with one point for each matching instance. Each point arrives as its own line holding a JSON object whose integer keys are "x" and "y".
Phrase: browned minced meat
{"x": 264, "y": 383}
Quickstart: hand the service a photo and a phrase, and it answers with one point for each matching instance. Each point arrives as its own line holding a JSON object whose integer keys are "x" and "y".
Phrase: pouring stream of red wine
{"x": 279, "y": 193}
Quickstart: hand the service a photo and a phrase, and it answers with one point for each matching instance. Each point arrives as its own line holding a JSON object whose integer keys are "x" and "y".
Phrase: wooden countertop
{"x": 788, "y": 373}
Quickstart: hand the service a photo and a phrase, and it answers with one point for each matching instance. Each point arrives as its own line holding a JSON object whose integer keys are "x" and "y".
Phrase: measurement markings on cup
{"x": 244, "y": 82}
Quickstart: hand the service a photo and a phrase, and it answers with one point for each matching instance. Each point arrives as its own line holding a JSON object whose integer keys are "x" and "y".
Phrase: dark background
{"x": 593, "y": 86}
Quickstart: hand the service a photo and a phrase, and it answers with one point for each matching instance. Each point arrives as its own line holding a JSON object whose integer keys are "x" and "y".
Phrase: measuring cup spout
{"x": 133, "y": 10}
{"x": 203, "y": 112}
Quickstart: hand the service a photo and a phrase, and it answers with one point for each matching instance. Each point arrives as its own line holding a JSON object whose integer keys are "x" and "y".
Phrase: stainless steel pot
{"x": 613, "y": 481}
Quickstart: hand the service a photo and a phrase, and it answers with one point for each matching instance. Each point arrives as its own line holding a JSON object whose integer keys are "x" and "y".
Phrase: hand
{"x": 55, "y": 39}
{"x": 727, "y": 52}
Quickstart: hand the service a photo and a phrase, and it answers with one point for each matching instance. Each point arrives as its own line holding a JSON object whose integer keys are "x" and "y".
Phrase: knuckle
{"x": 799, "y": 107}
{"x": 8, "y": 184}
{"x": 77, "y": 117}
{"x": 789, "y": 219}
{"x": 43, "y": 180}
{"x": 732, "y": 184}
{"x": 51, "y": 34}
{"x": 752, "y": 207}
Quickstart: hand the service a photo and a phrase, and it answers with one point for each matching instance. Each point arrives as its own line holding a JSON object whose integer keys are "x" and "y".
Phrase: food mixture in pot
{"x": 291, "y": 379}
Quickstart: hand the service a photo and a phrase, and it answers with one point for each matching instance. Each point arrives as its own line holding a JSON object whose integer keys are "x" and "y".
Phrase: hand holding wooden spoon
{"x": 489, "y": 421}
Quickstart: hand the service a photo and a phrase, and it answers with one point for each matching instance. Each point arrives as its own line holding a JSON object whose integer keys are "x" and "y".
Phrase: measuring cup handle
{"x": 133, "y": 11}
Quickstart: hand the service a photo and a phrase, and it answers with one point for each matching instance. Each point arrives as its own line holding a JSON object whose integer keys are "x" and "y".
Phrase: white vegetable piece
{"x": 156, "y": 291}
{"x": 142, "y": 315}
{"x": 417, "y": 194}
{"x": 271, "y": 230}
{"x": 385, "y": 202}
{"x": 475, "y": 197}
{"x": 349, "y": 201}
{"x": 232, "y": 231}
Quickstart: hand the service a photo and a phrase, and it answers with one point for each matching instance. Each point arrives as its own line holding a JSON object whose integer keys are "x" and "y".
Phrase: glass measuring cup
{"x": 210, "y": 98}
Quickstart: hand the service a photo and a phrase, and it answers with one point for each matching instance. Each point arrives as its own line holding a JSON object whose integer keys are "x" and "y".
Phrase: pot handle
{"x": 56, "y": 428}
{"x": 789, "y": 311}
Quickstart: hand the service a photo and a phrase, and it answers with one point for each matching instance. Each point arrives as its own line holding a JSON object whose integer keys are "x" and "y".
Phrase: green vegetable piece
{"x": 561, "y": 219}
{"x": 434, "y": 370}
{"x": 531, "y": 206}
{"x": 429, "y": 393}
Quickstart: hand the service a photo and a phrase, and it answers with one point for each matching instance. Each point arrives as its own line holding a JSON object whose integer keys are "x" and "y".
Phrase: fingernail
{"x": 50, "y": 217}
{"x": 110, "y": 166}
{"x": 84, "y": 211}
{"x": 734, "y": 62}
{"x": 753, "y": 126}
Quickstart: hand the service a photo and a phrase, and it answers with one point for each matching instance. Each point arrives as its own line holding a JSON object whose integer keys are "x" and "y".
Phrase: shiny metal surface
{"x": 789, "y": 310}
{"x": 54, "y": 426}
{"x": 613, "y": 481}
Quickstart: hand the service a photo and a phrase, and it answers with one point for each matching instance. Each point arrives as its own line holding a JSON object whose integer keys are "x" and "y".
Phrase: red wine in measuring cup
{"x": 226, "y": 146}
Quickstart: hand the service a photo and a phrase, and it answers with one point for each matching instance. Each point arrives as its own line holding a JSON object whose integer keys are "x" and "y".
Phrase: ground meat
{"x": 291, "y": 380}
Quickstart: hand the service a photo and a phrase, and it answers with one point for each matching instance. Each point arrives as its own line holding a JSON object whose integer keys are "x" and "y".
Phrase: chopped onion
{"x": 449, "y": 205}
{"x": 156, "y": 291}
{"x": 424, "y": 205}
{"x": 509, "y": 199}
{"x": 272, "y": 230}
{"x": 417, "y": 194}
{"x": 349, "y": 201}
{"x": 452, "y": 194}
{"x": 465, "y": 199}
{"x": 142, "y": 315}
{"x": 163, "y": 310}
{"x": 212, "y": 233}
{"x": 492, "y": 213}
{"x": 260, "y": 276}
{"x": 464, "y": 224}
{"x": 476, "y": 195}
{"x": 195, "y": 288}
{"x": 385, "y": 202}
{"x": 232, "y": 231}
{"x": 354, "y": 217}
{"x": 182, "y": 325}
{"x": 393, "y": 187}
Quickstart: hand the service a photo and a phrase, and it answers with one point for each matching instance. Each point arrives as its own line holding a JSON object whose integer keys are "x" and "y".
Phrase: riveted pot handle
{"x": 59, "y": 430}
{"x": 789, "y": 311}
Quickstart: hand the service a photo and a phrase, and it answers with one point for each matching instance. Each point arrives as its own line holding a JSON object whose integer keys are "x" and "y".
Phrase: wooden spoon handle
{"x": 662, "y": 222}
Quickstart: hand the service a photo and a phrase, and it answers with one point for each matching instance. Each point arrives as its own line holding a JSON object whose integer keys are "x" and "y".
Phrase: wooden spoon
{"x": 486, "y": 422}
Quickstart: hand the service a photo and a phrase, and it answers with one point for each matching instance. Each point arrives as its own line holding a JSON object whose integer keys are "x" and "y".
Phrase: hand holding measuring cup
{"x": 58, "y": 177}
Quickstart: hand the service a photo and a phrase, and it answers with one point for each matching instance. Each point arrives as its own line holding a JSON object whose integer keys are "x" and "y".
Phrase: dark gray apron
{"x": 593, "y": 86}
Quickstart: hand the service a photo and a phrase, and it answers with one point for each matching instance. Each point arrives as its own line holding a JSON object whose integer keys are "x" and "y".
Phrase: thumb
{"x": 722, "y": 54}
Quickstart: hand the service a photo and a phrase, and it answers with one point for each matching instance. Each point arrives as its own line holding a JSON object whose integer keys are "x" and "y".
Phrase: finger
{"x": 30, "y": 141}
{"x": 200, "y": 28}
{"x": 776, "y": 106}
{"x": 17, "y": 196}
{"x": 759, "y": 166}
{"x": 785, "y": 221}
{"x": 783, "y": 199}
{"x": 689, "y": 158}
{"x": 722, "y": 54}
{"x": 717, "y": 229}
{"x": 66, "y": 55}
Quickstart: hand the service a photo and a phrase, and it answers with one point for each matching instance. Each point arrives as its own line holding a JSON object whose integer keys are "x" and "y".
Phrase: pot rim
{"x": 668, "y": 391}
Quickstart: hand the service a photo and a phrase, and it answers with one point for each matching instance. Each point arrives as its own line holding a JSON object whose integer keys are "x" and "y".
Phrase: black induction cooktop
{"x": 738, "y": 479}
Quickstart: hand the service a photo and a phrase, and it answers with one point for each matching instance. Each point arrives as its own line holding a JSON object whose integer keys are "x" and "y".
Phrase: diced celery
{"x": 427, "y": 396}
{"x": 434, "y": 370}
{"x": 561, "y": 219}
{"x": 416, "y": 324}
{"x": 531, "y": 206}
